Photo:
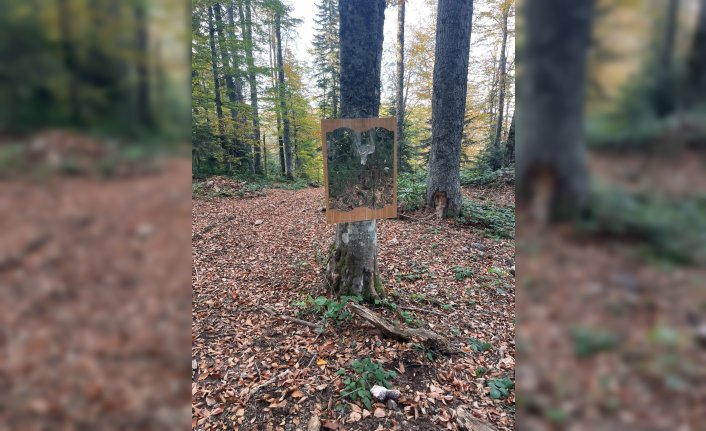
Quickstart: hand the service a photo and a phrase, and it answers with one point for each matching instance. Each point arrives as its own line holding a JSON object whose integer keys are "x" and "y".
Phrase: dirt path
{"x": 269, "y": 251}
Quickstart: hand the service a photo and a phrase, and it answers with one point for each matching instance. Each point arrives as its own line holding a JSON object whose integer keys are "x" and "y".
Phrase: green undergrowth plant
{"x": 409, "y": 318}
{"x": 671, "y": 230}
{"x": 590, "y": 341}
{"x": 329, "y": 309}
{"x": 479, "y": 177}
{"x": 362, "y": 376}
{"x": 411, "y": 191}
{"x": 479, "y": 346}
{"x": 500, "y": 388}
{"x": 462, "y": 272}
{"x": 497, "y": 221}
{"x": 424, "y": 351}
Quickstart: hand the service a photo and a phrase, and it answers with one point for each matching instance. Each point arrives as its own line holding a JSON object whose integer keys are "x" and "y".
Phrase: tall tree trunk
{"x": 246, "y": 28}
{"x": 696, "y": 68}
{"x": 216, "y": 78}
{"x": 509, "y": 154}
{"x": 669, "y": 34}
{"x": 282, "y": 101}
{"x": 144, "y": 111}
{"x": 552, "y": 175}
{"x": 336, "y": 69}
{"x": 400, "y": 82}
{"x": 502, "y": 77}
{"x": 274, "y": 68}
{"x": 665, "y": 96}
{"x": 264, "y": 152}
{"x": 68, "y": 48}
{"x": 235, "y": 148}
{"x": 453, "y": 42}
{"x": 244, "y": 150}
{"x": 353, "y": 267}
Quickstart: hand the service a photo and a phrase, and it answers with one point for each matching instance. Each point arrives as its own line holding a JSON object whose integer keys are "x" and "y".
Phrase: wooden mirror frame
{"x": 359, "y": 125}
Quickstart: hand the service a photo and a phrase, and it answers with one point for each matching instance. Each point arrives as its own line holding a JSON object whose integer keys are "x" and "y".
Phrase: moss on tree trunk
{"x": 352, "y": 269}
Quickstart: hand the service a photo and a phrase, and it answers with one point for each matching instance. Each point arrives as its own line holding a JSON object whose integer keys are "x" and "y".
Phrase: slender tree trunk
{"x": 453, "y": 42}
{"x": 334, "y": 55}
{"x": 502, "y": 75}
{"x": 244, "y": 150}
{"x": 274, "y": 68}
{"x": 234, "y": 149}
{"x": 696, "y": 67}
{"x": 552, "y": 175}
{"x": 509, "y": 155}
{"x": 400, "y": 82}
{"x": 264, "y": 152}
{"x": 216, "y": 78}
{"x": 669, "y": 35}
{"x": 353, "y": 267}
{"x": 68, "y": 48}
{"x": 144, "y": 111}
{"x": 246, "y": 27}
{"x": 665, "y": 96}
{"x": 282, "y": 101}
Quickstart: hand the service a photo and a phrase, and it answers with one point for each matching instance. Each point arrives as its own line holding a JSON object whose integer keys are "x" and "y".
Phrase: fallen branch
{"x": 272, "y": 312}
{"x": 400, "y": 332}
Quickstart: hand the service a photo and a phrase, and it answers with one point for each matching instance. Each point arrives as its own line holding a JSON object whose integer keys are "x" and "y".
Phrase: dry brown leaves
{"x": 255, "y": 372}
{"x": 94, "y": 304}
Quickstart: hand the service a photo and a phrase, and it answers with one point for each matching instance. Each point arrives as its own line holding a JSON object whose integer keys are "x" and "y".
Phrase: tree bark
{"x": 144, "y": 111}
{"x": 552, "y": 174}
{"x": 68, "y": 48}
{"x": 400, "y": 82}
{"x": 453, "y": 40}
{"x": 216, "y": 78}
{"x": 246, "y": 26}
{"x": 264, "y": 152}
{"x": 274, "y": 67}
{"x": 502, "y": 77}
{"x": 282, "y": 102}
{"x": 353, "y": 267}
{"x": 696, "y": 67}
{"x": 228, "y": 59}
{"x": 509, "y": 156}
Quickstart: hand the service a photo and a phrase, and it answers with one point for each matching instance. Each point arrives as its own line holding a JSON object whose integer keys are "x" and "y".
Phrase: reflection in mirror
{"x": 360, "y": 168}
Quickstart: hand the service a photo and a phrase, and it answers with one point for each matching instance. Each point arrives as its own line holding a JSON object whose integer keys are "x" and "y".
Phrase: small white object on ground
{"x": 383, "y": 394}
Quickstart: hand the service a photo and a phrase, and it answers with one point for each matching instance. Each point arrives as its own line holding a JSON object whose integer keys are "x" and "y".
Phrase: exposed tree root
{"x": 401, "y": 332}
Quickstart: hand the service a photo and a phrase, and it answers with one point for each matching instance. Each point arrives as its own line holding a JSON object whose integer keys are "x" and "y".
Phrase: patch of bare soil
{"x": 253, "y": 371}
{"x": 94, "y": 307}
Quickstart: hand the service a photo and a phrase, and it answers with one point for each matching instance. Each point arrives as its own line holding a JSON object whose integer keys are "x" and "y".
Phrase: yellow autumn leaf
{"x": 321, "y": 361}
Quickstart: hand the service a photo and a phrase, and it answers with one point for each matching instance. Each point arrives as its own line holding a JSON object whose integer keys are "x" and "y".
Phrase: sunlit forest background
{"x": 240, "y": 104}
{"x": 110, "y": 68}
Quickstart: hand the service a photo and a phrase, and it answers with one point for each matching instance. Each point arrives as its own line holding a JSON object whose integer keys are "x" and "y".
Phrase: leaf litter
{"x": 259, "y": 372}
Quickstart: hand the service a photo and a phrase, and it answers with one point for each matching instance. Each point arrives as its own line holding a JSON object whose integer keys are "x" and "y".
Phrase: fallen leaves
{"x": 247, "y": 350}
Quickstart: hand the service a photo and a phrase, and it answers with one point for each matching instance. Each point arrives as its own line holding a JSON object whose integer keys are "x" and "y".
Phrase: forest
{"x": 403, "y": 323}
{"x": 256, "y": 103}
{"x": 115, "y": 69}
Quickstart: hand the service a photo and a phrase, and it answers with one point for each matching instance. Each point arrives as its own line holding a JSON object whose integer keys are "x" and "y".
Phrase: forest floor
{"x": 95, "y": 299}
{"x": 625, "y": 327}
{"x": 255, "y": 371}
